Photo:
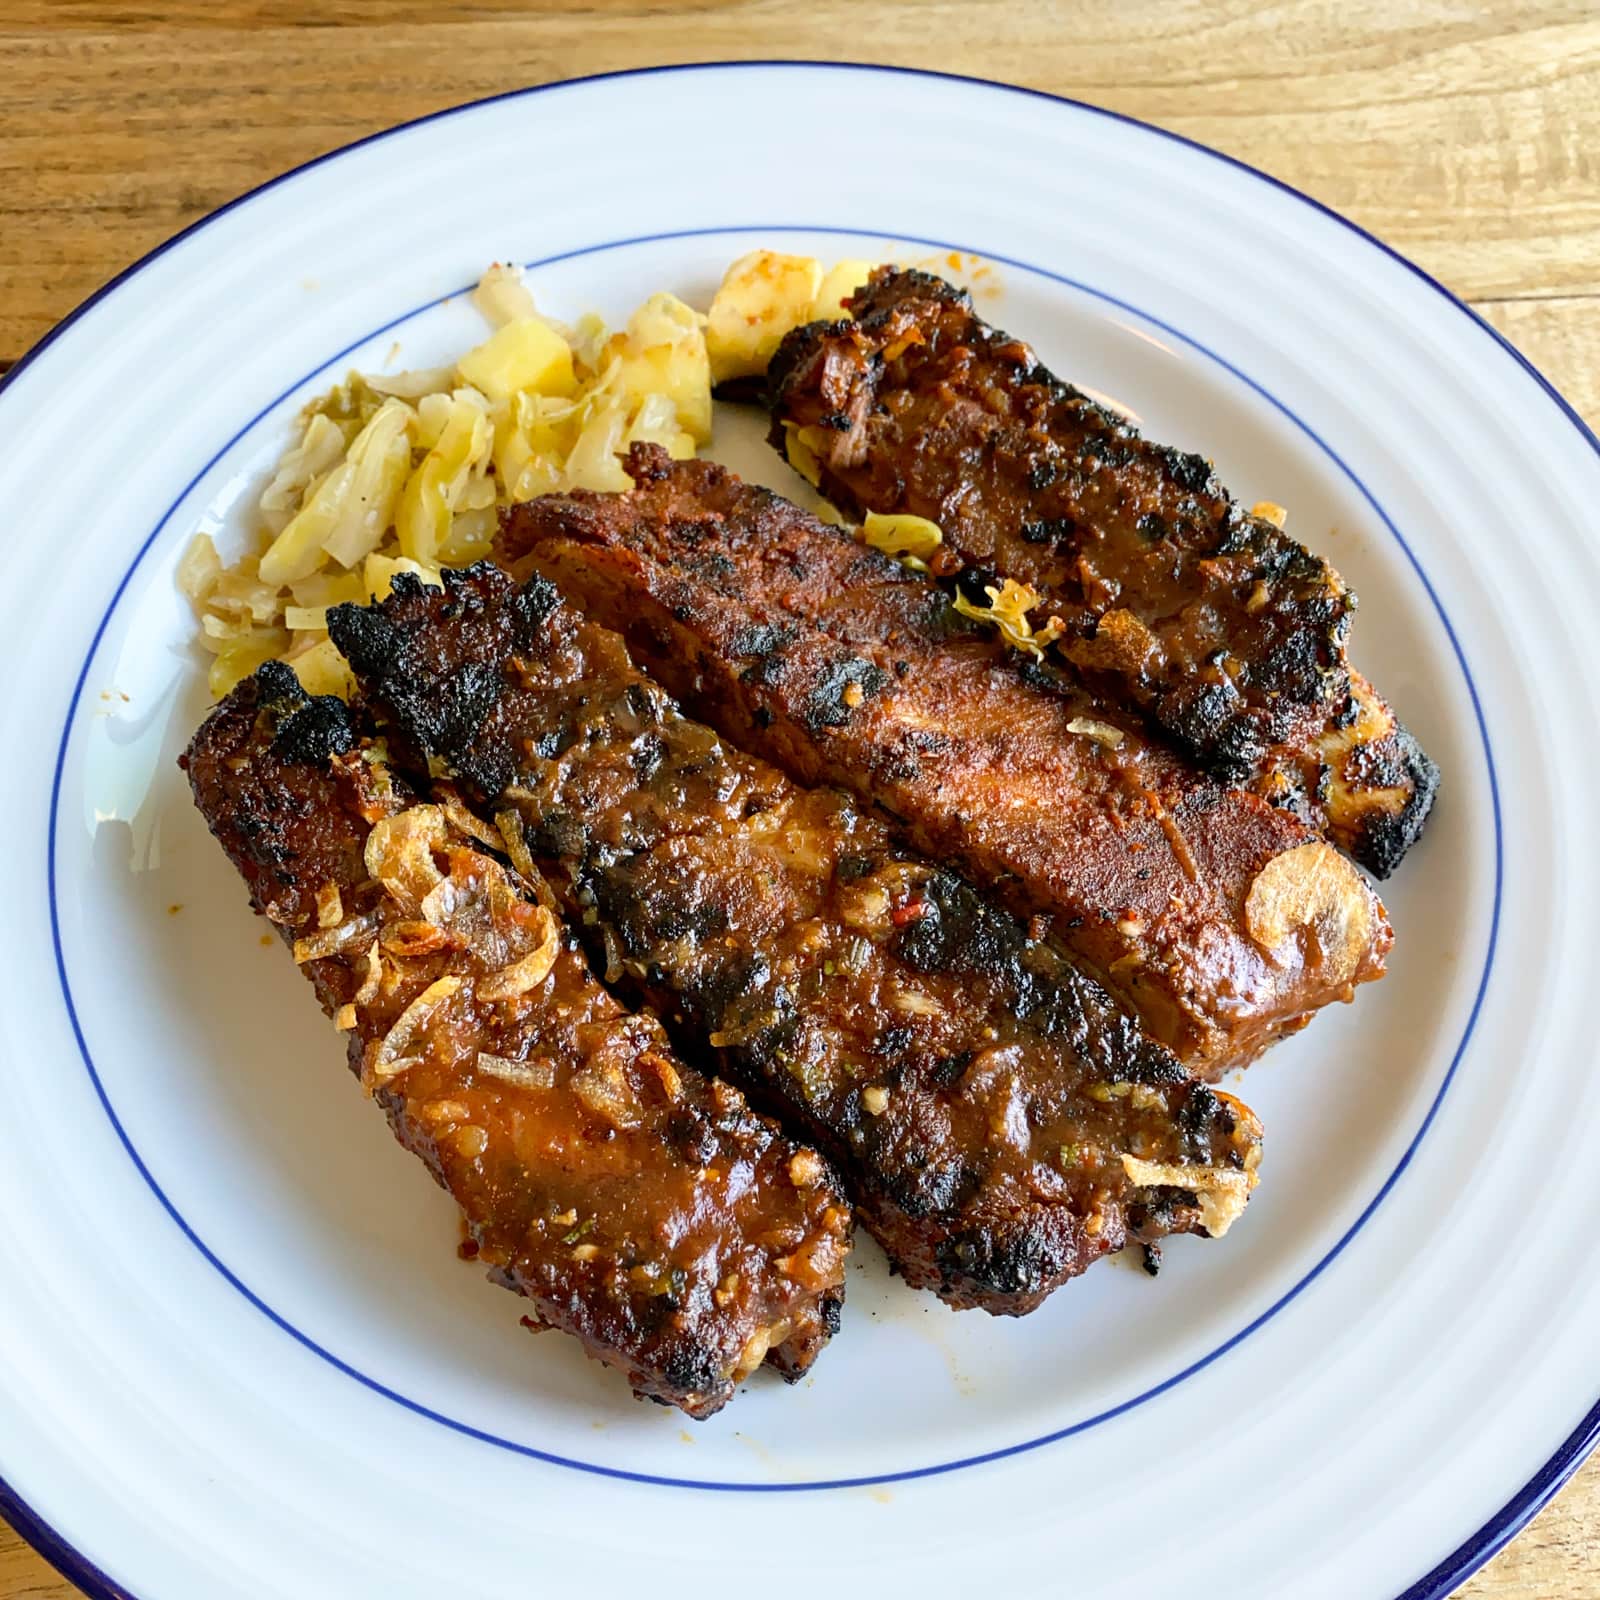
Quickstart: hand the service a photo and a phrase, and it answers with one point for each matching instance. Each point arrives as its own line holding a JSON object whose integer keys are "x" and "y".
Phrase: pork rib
{"x": 999, "y": 1122}
{"x": 639, "y": 1206}
{"x": 1227, "y": 634}
{"x": 1220, "y": 920}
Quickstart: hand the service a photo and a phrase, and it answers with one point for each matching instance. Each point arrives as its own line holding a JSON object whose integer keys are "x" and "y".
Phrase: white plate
{"x": 237, "y": 1355}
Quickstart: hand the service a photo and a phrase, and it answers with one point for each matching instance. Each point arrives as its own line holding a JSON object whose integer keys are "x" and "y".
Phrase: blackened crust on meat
{"x": 1385, "y": 835}
{"x": 885, "y": 290}
{"x": 277, "y": 814}
{"x": 1008, "y": 1261}
{"x": 445, "y": 702}
{"x": 1179, "y": 604}
{"x": 309, "y": 730}
{"x": 1005, "y": 767}
{"x": 828, "y": 701}
{"x": 593, "y": 1183}
{"x": 945, "y": 1061}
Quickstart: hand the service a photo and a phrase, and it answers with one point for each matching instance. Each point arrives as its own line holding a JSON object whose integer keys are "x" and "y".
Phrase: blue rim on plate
{"x": 1470, "y": 1555}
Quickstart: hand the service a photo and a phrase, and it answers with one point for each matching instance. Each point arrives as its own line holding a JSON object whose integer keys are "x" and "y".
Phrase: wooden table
{"x": 1466, "y": 135}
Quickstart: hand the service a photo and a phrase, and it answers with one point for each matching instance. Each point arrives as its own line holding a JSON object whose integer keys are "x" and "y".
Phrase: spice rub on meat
{"x": 639, "y": 1206}
{"x": 1177, "y": 603}
{"x": 1221, "y": 921}
{"x": 1000, "y": 1123}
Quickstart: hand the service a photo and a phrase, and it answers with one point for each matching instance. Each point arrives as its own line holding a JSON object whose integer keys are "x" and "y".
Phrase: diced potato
{"x": 379, "y": 572}
{"x": 322, "y": 670}
{"x": 525, "y": 354}
{"x": 842, "y": 281}
{"x": 763, "y": 295}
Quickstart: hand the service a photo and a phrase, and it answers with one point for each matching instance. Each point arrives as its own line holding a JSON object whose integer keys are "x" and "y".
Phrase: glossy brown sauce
{"x": 832, "y": 660}
{"x": 982, "y": 1097}
{"x": 639, "y": 1205}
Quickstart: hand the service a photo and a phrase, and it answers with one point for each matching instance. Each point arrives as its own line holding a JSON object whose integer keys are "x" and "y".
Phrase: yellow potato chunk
{"x": 763, "y": 295}
{"x": 379, "y": 573}
{"x": 842, "y": 281}
{"x": 525, "y": 354}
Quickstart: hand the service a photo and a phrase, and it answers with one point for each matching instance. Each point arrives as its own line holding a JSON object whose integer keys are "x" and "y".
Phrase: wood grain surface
{"x": 1467, "y": 135}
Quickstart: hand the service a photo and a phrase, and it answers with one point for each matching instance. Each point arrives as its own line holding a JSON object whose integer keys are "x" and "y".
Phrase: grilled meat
{"x": 637, "y": 1205}
{"x": 1219, "y": 920}
{"x": 1000, "y": 1123}
{"x": 1209, "y": 620}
